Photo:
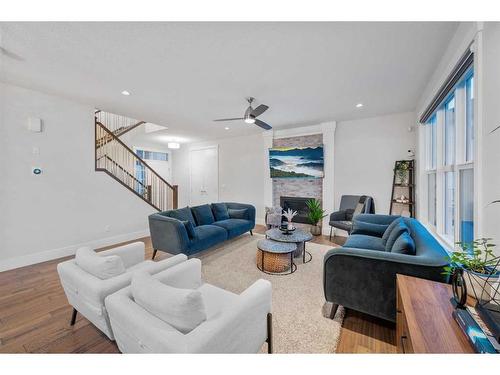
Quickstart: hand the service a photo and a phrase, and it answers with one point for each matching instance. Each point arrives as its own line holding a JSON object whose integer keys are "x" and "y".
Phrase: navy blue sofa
{"x": 190, "y": 230}
{"x": 361, "y": 275}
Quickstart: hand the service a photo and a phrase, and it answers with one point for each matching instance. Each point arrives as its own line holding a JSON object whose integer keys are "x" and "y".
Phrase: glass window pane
{"x": 467, "y": 205}
{"x": 449, "y": 131}
{"x": 432, "y": 143}
{"x": 449, "y": 204}
{"x": 469, "y": 119}
{"x": 431, "y": 196}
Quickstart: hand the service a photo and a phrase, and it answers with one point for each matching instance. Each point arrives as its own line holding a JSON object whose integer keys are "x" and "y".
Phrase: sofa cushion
{"x": 241, "y": 213}
{"x": 216, "y": 300}
{"x": 207, "y": 236}
{"x": 183, "y": 309}
{"x": 182, "y": 214}
{"x": 235, "y": 227}
{"x": 404, "y": 244}
{"x": 389, "y": 229}
{"x": 203, "y": 214}
{"x": 398, "y": 229}
{"x": 103, "y": 267}
{"x": 361, "y": 241}
{"x": 189, "y": 228}
{"x": 220, "y": 211}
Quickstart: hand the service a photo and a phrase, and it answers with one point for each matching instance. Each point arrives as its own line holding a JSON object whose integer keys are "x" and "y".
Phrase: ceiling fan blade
{"x": 263, "y": 125}
{"x": 229, "y": 119}
{"x": 259, "y": 110}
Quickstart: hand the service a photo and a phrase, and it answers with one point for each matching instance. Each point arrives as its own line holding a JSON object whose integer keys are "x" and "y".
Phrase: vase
{"x": 315, "y": 230}
{"x": 478, "y": 287}
{"x": 289, "y": 226}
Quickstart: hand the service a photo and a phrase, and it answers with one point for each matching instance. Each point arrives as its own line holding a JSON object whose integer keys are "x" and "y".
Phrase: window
{"x": 449, "y": 131}
{"x": 140, "y": 170}
{"x": 152, "y": 155}
{"x": 432, "y": 203}
{"x": 449, "y": 138}
{"x": 466, "y": 205}
{"x": 469, "y": 118}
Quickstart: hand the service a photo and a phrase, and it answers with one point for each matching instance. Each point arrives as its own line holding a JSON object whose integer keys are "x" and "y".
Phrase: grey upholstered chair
{"x": 350, "y": 205}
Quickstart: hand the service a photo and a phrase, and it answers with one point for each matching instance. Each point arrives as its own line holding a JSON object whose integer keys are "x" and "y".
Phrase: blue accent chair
{"x": 361, "y": 275}
{"x": 213, "y": 224}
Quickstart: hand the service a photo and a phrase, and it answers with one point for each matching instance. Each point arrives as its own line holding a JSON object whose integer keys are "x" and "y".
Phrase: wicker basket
{"x": 273, "y": 262}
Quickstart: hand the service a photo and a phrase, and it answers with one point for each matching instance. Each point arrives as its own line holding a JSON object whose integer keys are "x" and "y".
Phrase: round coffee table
{"x": 275, "y": 258}
{"x": 298, "y": 236}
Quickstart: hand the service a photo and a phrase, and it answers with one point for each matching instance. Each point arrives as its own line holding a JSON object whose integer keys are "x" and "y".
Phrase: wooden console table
{"x": 424, "y": 323}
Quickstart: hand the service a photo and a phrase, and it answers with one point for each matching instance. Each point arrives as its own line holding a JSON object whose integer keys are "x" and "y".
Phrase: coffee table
{"x": 275, "y": 258}
{"x": 298, "y": 236}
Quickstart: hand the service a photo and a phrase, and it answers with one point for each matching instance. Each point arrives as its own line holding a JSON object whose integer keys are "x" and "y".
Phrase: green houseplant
{"x": 401, "y": 171}
{"x": 316, "y": 214}
{"x": 479, "y": 265}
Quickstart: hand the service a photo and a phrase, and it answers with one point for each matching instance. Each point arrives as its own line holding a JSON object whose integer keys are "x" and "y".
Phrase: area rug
{"x": 300, "y": 322}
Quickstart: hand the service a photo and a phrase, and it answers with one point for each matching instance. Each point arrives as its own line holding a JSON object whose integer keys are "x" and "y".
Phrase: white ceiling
{"x": 183, "y": 75}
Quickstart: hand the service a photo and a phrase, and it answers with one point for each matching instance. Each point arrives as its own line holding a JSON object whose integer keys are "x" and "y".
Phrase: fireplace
{"x": 296, "y": 204}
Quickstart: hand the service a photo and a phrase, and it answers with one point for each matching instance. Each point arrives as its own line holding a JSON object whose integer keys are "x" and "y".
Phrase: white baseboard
{"x": 44, "y": 256}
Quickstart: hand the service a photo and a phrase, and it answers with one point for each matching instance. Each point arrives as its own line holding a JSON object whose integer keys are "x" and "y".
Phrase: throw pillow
{"x": 399, "y": 229}
{"x": 183, "y": 309}
{"x": 203, "y": 214}
{"x": 103, "y": 267}
{"x": 404, "y": 245}
{"x": 189, "y": 229}
{"x": 389, "y": 229}
{"x": 182, "y": 214}
{"x": 238, "y": 213}
{"x": 220, "y": 211}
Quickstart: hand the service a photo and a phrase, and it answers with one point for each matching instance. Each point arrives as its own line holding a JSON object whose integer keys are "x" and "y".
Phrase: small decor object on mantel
{"x": 316, "y": 214}
{"x": 475, "y": 271}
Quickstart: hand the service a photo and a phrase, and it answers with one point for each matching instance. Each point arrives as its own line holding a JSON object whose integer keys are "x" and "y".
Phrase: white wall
{"x": 365, "y": 152}
{"x": 241, "y": 174}
{"x": 490, "y": 145}
{"x": 48, "y": 216}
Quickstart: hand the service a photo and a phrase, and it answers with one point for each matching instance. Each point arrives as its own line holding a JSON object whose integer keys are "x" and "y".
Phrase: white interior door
{"x": 204, "y": 176}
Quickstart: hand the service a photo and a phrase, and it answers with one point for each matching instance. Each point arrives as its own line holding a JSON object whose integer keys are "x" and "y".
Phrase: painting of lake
{"x": 296, "y": 162}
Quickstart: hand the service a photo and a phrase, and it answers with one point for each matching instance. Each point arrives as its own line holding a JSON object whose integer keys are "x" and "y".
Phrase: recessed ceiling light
{"x": 173, "y": 145}
{"x": 125, "y": 92}
{"x": 226, "y": 128}
{"x": 359, "y": 105}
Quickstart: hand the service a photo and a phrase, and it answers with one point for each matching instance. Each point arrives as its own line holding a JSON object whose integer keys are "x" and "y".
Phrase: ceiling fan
{"x": 251, "y": 114}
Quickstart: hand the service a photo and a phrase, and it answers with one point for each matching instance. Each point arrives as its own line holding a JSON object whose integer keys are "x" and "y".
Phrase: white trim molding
{"x": 45, "y": 256}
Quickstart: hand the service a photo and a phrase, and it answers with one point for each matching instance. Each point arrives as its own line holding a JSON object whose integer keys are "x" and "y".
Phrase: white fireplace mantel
{"x": 327, "y": 129}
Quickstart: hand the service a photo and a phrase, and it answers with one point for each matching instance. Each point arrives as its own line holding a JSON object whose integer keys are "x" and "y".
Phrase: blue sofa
{"x": 190, "y": 230}
{"x": 361, "y": 275}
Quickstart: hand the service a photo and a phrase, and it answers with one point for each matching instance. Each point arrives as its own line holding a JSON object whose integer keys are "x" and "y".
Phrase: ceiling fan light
{"x": 250, "y": 120}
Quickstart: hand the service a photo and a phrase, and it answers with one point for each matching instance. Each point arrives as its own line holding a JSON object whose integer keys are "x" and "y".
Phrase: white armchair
{"x": 86, "y": 292}
{"x": 235, "y": 323}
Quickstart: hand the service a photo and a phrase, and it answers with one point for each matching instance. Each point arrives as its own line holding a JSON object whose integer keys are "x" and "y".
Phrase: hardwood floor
{"x": 35, "y": 315}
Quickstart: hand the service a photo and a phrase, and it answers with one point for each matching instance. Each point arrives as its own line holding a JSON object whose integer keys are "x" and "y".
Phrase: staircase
{"x": 116, "y": 159}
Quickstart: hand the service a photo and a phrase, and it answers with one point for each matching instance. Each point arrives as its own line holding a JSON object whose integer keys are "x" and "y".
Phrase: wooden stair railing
{"x": 116, "y": 159}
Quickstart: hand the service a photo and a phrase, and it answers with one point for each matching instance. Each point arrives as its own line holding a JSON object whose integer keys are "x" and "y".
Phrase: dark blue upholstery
{"x": 220, "y": 211}
{"x": 169, "y": 234}
{"x": 189, "y": 228}
{"x": 395, "y": 233}
{"x": 364, "y": 279}
{"x": 362, "y": 241}
{"x": 181, "y": 214}
{"x": 404, "y": 244}
{"x": 234, "y": 227}
{"x": 203, "y": 214}
{"x": 206, "y": 236}
{"x": 238, "y": 214}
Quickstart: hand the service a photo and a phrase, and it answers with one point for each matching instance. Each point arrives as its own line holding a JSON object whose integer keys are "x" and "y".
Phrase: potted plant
{"x": 401, "y": 170}
{"x": 480, "y": 268}
{"x": 316, "y": 214}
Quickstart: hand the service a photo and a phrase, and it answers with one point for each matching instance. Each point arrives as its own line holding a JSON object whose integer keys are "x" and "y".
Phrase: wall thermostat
{"x": 37, "y": 171}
